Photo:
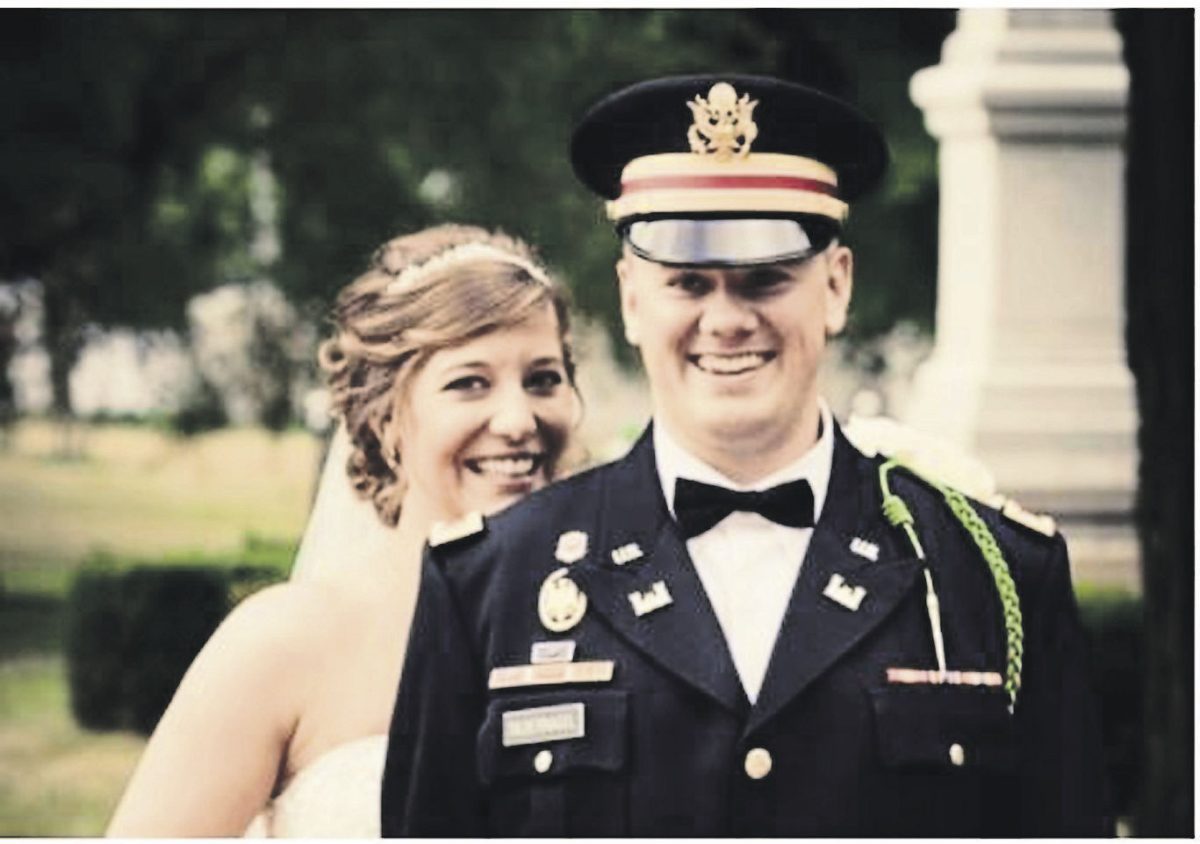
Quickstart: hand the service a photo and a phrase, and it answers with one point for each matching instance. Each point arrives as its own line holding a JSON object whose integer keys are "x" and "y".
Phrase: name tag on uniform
{"x": 542, "y": 723}
{"x": 557, "y": 650}
{"x": 551, "y": 674}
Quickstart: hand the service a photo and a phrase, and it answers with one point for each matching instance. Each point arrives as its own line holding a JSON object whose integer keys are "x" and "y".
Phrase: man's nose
{"x": 726, "y": 315}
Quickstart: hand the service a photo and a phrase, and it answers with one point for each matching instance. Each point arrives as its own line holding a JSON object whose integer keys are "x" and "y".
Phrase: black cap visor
{"x": 678, "y": 241}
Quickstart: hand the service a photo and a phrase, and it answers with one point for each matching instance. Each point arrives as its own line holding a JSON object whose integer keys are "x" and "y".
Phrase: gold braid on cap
{"x": 413, "y": 275}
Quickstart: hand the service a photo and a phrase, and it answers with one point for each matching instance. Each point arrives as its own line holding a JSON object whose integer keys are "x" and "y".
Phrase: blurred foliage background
{"x": 162, "y": 152}
{"x": 152, "y": 161}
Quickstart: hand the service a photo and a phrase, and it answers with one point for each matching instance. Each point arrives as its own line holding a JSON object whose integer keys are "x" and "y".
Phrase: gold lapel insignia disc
{"x": 572, "y": 547}
{"x": 841, "y": 592}
{"x": 724, "y": 125}
{"x": 560, "y": 603}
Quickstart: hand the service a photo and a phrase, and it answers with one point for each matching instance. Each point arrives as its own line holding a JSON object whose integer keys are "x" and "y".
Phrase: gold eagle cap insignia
{"x": 723, "y": 124}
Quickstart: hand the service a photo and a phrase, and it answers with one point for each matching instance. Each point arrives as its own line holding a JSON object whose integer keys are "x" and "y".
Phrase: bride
{"x": 452, "y": 379}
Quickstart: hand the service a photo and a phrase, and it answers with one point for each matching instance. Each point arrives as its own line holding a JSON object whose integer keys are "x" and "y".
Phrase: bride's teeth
{"x": 510, "y": 466}
{"x": 726, "y": 364}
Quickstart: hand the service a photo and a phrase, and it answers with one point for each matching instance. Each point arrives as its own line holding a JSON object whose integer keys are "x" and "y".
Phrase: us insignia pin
{"x": 627, "y": 553}
{"x": 841, "y": 592}
{"x": 863, "y": 548}
{"x": 572, "y": 547}
{"x": 654, "y": 598}
{"x": 560, "y": 603}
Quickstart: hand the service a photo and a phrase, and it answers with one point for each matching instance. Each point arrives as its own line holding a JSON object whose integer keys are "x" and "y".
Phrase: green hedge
{"x": 132, "y": 628}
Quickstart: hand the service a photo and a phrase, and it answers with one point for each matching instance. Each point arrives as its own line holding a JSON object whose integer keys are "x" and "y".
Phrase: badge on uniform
{"x": 627, "y": 553}
{"x": 933, "y": 677}
{"x": 864, "y": 548}
{"x": 841, "y": 592}
{"x": 654, "y": 598}
{"x": 572, "y": 547}
{"x": 556, "y": 650}
{"x": 561, "y": 604}
{"x": 551, "y": 674}
{"x": 541, "y": 724}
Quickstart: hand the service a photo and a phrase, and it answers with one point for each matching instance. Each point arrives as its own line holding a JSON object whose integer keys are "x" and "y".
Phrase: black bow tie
{"x": 699, "y": 507}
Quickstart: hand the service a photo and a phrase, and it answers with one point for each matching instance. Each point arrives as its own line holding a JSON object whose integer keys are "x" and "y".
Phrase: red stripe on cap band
{"x": 762, "y": 182}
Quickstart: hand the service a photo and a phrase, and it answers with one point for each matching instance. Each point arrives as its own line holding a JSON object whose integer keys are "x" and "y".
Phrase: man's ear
{"x": 838, "y": 286}
{"x": 628, "y": 299}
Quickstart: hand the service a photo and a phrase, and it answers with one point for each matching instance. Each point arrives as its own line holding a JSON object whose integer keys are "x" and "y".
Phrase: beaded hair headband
{"x": 466, "y": 253}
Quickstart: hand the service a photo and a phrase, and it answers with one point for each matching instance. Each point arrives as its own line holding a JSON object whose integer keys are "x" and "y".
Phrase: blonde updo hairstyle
{"x": 388, "y": 326}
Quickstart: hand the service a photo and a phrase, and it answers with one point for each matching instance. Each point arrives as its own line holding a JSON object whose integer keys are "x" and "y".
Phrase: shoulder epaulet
{"x": 1039, "y": 522}
{"x": 940, "y": 464}
{"x": 930, "y": 458}
{"x": 444, "y": 533}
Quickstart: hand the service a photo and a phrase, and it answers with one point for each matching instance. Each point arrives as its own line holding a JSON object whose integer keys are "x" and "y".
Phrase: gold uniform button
{"x": 758, "y": 763}
{"x": 543, "y": 761}
{"x": 957, "y": 755}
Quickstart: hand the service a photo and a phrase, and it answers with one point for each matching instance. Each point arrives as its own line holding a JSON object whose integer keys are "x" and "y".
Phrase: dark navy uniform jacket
{"x": 666, "y": 740}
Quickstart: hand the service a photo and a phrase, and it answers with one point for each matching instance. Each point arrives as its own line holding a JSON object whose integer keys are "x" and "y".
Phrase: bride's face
{"x": 484, "y": 423}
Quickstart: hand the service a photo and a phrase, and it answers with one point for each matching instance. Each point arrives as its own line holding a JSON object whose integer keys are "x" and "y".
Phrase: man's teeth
{"x": 731, "y": 364}
{"x": 510, "y": 467}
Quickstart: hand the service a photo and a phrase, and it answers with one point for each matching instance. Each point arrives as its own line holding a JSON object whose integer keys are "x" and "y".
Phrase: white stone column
{"x": 1028, "y": 370}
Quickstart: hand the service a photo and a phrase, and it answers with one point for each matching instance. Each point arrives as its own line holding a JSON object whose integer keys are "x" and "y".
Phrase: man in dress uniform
{"x": 745, "y": 627}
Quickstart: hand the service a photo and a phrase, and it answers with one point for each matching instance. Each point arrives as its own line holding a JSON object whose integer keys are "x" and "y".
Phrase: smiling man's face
{"x": 732, "y": 354}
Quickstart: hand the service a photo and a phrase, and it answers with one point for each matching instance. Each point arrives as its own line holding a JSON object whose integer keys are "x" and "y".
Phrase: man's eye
{"x": 544, "y": 381}
{"x": 763, "y": 283}
{"x": 693, "y": 283}
{"x": 468, "y": 383}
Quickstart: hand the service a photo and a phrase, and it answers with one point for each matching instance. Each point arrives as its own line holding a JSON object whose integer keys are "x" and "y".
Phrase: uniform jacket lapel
{"x": 684, "y": 636}
{"x": 817, "y": 630}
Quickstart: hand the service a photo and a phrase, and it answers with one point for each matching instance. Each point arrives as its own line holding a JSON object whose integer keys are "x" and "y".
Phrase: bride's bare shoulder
{"x": 286, "y": 621}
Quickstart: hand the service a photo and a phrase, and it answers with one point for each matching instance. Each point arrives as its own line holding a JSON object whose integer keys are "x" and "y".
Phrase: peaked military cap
{"x": 726, "y": 169}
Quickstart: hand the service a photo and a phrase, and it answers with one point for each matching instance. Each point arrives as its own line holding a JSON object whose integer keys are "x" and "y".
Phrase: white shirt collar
{"x": 815, "y": 465}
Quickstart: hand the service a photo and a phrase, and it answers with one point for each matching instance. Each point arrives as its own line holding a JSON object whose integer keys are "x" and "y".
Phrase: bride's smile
{"x": 485, "y": 421}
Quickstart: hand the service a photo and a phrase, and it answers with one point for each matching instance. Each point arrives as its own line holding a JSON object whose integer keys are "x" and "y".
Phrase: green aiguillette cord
{"x": 896, "y": 511}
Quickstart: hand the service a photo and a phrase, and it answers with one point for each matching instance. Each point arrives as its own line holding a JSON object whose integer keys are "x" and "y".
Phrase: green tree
{"x": 105, "y": 119}
{"x": 487, "y": 99}
{"x": 138, "y": 133}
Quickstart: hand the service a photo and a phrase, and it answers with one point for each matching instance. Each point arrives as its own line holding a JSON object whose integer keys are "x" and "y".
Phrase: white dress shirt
{"x": 747, "y": 563}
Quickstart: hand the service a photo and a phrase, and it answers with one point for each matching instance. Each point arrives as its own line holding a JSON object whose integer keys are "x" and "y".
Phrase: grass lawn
{"x": 138, "y": 492}
{"x": 134, "y": 492}
{"x": 55, "y": 779}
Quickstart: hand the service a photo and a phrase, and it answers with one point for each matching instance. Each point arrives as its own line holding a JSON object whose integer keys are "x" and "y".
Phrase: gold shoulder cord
{"x": 898, "y": 514}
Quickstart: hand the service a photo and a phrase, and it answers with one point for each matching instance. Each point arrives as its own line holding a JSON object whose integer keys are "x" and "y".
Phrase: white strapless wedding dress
{"x": 335, "y": 796}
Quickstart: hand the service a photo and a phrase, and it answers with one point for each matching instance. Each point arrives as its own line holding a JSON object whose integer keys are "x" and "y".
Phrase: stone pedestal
{"x": 1028, "y": 371}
